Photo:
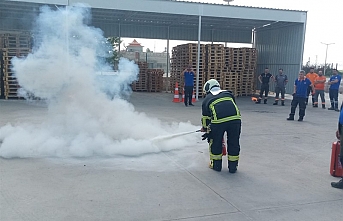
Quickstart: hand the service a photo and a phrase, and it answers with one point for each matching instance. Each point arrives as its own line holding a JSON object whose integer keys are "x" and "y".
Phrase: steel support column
{"x": 168, "y": 60}
{"x": 119, "y": 36}
{"x": 198, "y": 61}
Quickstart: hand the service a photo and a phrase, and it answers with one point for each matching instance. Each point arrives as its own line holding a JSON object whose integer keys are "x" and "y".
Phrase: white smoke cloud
{"x": 82, "y": 121}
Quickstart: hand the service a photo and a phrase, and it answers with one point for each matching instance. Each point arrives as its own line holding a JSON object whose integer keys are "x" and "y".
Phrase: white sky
{"x": 324, "y": 24}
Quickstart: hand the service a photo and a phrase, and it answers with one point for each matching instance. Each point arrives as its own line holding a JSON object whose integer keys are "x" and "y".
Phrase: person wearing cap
{"x": 300, "y": 95}
{"x": 281, "y": 81}
{"x": 220, "y": 114}
{"x": 334, "y": 82}
{"x": 188, "y": 75}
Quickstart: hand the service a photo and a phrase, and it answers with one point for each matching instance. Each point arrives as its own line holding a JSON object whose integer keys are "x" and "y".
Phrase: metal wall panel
{"x": 195, "y": 8}
{"x": 231, "y": 35}
{"x": 281, "y": 48}
{"x": 110, "y": 30}
{"x": 176, "y": 33}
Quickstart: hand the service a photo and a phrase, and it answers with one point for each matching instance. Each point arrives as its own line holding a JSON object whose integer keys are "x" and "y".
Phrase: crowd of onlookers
{"x": 315, "y": 86}
{"x": 310, "y": 84}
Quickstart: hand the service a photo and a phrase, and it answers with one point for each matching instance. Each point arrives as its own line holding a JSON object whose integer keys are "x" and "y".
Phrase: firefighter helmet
{"x": 210, "y": 84}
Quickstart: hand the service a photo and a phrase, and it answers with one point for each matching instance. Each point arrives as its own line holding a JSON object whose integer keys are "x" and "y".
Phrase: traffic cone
{"x": 224, "y": 147}
{"x": 176, "y": 94}
{"x": 193, "y": 97}
{"x": 183, "y": 95}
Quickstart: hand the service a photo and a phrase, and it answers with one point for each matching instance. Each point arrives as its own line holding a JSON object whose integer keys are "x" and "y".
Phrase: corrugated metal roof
{"x": 241, "y": 6}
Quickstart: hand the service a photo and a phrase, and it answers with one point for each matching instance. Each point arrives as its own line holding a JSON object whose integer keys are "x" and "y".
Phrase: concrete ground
{"x": 283, "y": 172}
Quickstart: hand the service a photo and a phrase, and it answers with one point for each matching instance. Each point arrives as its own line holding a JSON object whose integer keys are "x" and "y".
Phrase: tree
{"x": 113, "y": 59}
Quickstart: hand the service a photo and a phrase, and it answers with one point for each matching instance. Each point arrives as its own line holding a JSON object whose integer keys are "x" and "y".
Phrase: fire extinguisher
{"x": 224, "y": 147}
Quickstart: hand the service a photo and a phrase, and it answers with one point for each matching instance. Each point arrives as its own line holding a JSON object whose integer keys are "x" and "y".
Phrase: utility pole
{"x": 326, "y": 53}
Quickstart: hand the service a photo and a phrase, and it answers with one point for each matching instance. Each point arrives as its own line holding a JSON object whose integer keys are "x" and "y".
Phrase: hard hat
{"x": 210, "y": 84}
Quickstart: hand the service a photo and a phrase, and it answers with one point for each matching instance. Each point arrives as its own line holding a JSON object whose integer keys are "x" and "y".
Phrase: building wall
{"x": 154, "y": 60}
{"x": 281, "y": 48}
{"x": 175, "y": 33}
{"x": 134, "y": 48}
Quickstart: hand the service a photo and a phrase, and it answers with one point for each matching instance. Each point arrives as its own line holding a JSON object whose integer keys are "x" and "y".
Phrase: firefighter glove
{"x": 205, "y": 136}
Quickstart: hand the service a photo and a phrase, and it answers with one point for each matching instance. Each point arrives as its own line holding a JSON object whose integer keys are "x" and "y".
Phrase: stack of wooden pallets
{"x": 149, "y": 80}
{"x": 182, "y": 56}
{"x": 214, "y": 62}
{"x": 142, "y": 83}
{"x": 248, "y": 77}
{"x": 239, "y": 70}
{"x": 234, "y": 68}
{"x": 155, "y": 79}
{"x": 12, "y": 45}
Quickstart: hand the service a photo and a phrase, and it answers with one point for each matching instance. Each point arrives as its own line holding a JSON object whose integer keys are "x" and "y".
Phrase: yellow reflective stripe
{"x": 203, "y": 120}
{"x": 216, "y": 157}
{"x": 226, "y": 119}
{"x": 237, "y": 111}
{"x": 213, "y": 111}
{"x": 216, "y": 102}
{"x": 210, "y": 145}
{"x": 215, "y": 119}
{"x": 232, "y": 158}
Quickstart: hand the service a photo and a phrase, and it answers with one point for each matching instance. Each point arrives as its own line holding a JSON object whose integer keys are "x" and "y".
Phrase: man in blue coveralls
{"x": 334, "y": 82}
{"x": 299, "y": 96}
{"x": 189, "y": 84}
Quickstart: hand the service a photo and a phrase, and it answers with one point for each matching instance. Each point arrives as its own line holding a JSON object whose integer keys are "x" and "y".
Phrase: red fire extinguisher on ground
{"x": 224, "y": 147}
{"x": 336, "y": 166}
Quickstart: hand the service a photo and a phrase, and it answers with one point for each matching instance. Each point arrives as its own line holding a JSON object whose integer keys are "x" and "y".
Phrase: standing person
{"x": 319, "y": 84}
{"x": 299, "y": 96}
{"x": 281, "y": 81}
{"x": 188, "y": 75}
{"x": 264, "y": 79}
{"x": 334, "y": 82}
{"x": 220, "y": 114}
{"x": 339, "y": 135}
{"x": 311, "y": 76}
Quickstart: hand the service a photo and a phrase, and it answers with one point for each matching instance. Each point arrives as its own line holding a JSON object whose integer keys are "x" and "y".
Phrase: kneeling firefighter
{"x": 220, "y": 114}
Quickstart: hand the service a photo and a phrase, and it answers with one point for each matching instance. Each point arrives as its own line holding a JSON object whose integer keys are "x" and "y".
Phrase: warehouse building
{"x": 278, "y": 35}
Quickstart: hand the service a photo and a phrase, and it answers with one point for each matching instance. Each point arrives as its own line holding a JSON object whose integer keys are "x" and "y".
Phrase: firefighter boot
{"x": 301, "y": 119}
{"x": 216, "y": 165}
{"x": 291, "y": 117}
{"x": 232, "y": 165}
{"x": 338, "y": 185}
{"x": 276, "y": 102}
{"x": 323, "y": 106}
{"x": 265, "y": 101}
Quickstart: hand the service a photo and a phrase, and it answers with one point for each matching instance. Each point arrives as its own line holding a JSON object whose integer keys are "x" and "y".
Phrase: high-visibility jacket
{"x": 219, "y": 108}
{"x": 319, "y": 86}
{"x": 311, "y": 76}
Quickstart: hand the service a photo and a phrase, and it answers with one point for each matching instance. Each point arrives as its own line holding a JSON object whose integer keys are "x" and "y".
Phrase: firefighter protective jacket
{"x": 219, "y": 108}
